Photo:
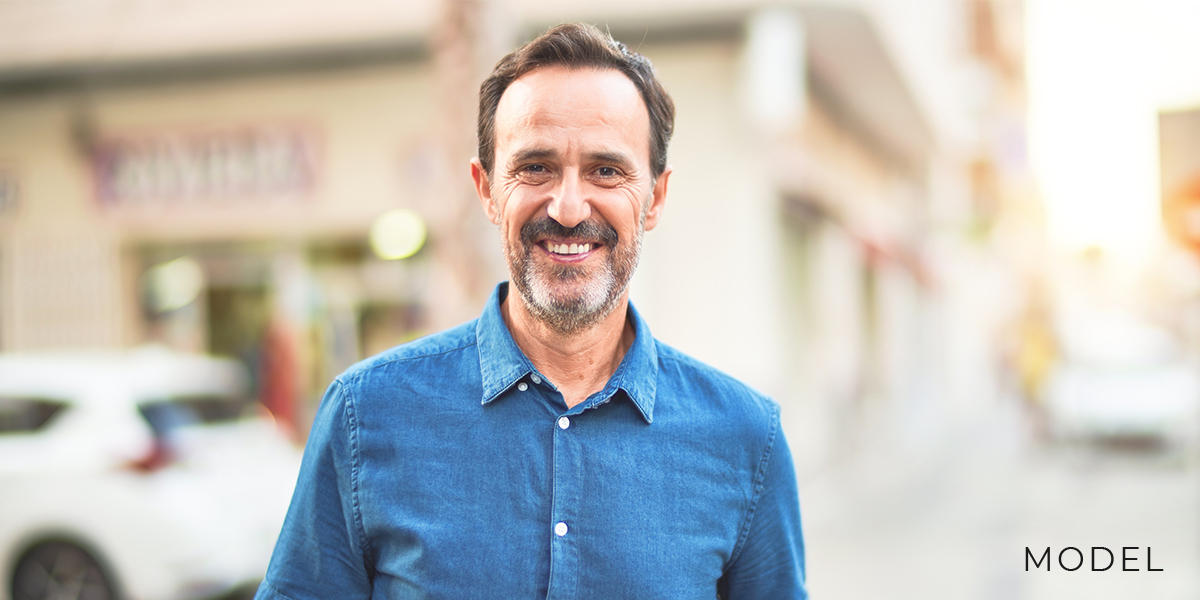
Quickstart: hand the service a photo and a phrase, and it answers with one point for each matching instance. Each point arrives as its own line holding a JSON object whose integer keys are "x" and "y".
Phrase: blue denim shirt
{"x": 450, "y": 468}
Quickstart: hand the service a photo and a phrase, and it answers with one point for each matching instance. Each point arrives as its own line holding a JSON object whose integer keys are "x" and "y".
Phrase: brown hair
{"x": 577, "y": 45}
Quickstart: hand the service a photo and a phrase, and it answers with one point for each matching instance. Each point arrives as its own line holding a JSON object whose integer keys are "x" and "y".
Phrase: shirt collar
{"x": 502, "y": 364}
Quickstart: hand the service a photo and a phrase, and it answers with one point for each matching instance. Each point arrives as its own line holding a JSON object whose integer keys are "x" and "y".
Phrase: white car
{"x": 144, "y": 475}
{"x": 1122, "y": 377}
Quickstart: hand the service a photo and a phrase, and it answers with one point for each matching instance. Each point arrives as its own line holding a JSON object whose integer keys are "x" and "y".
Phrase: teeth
{"x": 569, "y": 248}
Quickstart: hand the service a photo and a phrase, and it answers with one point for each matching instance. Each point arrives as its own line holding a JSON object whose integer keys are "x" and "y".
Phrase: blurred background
{"x": 955, "y": 239}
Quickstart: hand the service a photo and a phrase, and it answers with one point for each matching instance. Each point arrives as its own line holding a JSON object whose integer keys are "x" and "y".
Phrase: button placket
{"x": 564, "y": 544}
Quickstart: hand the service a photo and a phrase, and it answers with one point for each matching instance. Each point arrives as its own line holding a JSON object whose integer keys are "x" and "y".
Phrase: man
{"x": 552, "y": 448}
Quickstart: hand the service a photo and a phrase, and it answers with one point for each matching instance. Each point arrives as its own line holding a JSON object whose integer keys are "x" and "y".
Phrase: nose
{"x": 569, "y": 206}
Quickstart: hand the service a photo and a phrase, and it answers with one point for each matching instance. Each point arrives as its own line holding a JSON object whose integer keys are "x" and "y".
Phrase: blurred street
{"x": 911, "y": 224}
{"x": 954, "y": 522}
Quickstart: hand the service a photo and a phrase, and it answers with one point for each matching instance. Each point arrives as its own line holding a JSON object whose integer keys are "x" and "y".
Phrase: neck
{"x": 580, "y": 363}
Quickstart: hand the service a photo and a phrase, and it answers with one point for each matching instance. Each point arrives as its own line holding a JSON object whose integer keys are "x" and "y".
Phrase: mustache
{"x": 587, "y": 230}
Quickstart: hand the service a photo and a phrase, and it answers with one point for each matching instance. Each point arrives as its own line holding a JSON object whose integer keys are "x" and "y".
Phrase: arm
{"x": 769, "y": 561}
{"x": 321, "y": 550}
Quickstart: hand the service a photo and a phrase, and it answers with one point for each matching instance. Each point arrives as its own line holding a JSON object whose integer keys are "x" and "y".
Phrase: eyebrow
{"x": 528, "y": 154}
{"x": 616, "y": 158}
{"x": 533, "y": 154}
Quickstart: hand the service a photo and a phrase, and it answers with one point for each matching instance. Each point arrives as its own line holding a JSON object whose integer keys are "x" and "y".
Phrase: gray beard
{"x": 600, "y": 292}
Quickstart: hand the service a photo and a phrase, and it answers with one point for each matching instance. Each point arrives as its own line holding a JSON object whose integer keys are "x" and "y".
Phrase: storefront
{"x": 277, "y": 218}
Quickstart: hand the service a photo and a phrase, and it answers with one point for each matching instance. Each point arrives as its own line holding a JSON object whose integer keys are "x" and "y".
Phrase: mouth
{"x": 566, "y": 250}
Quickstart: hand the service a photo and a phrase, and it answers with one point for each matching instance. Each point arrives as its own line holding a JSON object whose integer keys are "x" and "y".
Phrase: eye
{"x": 533, "y": 173}
{"x": 607, "y": 172}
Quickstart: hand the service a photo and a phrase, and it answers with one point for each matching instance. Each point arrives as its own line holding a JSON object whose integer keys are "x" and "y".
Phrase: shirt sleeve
{"x": 769, "y": 563}
{"x": 320, "y": 552}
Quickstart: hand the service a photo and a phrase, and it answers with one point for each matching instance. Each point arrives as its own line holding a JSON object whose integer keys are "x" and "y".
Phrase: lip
{"x": 569, "y": 258}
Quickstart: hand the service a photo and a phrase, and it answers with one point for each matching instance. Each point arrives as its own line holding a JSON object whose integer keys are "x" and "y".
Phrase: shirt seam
{"x": 364, "y": 545}
{"x": 759, "y": 484}
{"x": 404, "y": 358}
{"x": 699, "y": 366}
{"x": 276, "y": 590}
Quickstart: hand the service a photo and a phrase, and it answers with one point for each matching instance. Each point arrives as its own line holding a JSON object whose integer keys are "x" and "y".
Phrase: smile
{"x": 568, "y": 248}
{"x": 569, "y": 251}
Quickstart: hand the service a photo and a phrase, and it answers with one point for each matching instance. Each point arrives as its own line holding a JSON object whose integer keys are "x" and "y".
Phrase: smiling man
{"x": 551, "y": 448}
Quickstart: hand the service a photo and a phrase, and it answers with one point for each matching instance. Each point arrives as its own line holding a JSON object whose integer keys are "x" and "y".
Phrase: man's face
{"x": 572, "y": 190}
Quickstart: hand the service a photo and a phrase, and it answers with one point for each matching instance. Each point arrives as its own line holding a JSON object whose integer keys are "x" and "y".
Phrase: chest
{"x": 596, "y": 505}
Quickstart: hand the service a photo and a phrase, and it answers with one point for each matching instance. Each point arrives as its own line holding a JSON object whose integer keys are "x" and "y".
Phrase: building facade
{"x": 224, "y": 202}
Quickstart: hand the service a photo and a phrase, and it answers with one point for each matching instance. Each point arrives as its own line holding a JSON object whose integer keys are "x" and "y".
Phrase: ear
{"x": 658, "y": 199}
{"x": 483, "y": 188}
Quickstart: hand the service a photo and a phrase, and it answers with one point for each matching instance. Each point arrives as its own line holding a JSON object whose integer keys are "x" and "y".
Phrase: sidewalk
{"x": 954, "y": 523}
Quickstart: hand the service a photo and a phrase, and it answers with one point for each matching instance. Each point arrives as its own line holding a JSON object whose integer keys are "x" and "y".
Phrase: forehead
{"x": 581, "y": 105}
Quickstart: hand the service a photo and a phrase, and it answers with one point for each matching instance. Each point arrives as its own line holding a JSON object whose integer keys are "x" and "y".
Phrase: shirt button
{"x": 563, "y": 423}
{"x": 536, "y": 379}
{"x": 560, "y": 529}
{"x": 522, "y": 386}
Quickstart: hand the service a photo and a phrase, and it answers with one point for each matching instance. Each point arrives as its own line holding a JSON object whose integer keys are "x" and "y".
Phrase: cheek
{"x": 510, "y": 225}
{"x": 629, "y": 210}
{"x": 510, "y": 231}
{"x": 518, "y": 210}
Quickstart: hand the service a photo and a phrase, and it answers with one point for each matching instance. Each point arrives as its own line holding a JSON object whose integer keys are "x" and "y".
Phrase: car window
{"x": 25, "y": 415}
{"x": 165, "y": 415}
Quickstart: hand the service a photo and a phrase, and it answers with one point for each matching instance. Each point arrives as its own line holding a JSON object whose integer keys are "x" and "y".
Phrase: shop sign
{"x": 175, "y": 167}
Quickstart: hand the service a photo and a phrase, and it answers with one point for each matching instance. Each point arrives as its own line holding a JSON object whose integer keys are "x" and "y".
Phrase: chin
{"x": 570, "y": 307}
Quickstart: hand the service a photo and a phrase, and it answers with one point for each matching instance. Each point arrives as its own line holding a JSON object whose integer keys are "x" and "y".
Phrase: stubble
{"x": 571, "y": 298}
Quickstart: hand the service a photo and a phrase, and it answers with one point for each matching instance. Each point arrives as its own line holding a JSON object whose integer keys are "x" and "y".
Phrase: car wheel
{"x": 60, "y": 571}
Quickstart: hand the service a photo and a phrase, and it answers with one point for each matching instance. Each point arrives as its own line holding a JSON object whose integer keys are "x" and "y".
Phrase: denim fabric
{"x": 450, "y": 468}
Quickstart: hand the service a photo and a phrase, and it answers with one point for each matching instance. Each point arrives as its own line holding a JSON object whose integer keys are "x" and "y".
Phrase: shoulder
{"x": 440, "y": 349}
{"x": 710, "y": 390}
